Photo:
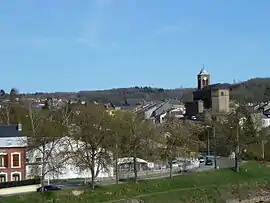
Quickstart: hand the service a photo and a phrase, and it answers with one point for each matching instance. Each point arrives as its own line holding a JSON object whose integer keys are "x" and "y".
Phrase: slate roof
{"x": 133, "y": 102}
{"x": 175, "y": 102}
{"x": 217, "y": 86}
{"x": 9, "y": 131}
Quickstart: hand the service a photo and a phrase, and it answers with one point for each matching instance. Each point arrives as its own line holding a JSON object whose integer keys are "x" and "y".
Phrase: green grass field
{"x": 211, "y": 186}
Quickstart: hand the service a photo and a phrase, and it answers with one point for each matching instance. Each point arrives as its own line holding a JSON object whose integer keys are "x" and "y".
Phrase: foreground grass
{"x": 218, "y": 194}
{"x": 195, "y": 187}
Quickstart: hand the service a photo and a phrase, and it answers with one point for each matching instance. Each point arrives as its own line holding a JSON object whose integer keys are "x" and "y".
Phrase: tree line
{"x": 93, "y": 137}
{"x": 254, "y": 90}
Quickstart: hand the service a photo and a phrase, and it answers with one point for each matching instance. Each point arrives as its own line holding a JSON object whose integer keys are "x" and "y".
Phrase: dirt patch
{"x": 252, "y": 200}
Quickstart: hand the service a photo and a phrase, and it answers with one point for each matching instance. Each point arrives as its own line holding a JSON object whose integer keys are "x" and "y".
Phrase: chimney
{"x": 19, "y": 127}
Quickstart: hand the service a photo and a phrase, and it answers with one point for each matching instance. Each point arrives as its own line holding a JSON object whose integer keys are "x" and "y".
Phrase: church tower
{"x": 203, "y": 79}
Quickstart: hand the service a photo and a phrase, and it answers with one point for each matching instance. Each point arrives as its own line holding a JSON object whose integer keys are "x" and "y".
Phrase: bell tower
{"x": 203, "y": 79}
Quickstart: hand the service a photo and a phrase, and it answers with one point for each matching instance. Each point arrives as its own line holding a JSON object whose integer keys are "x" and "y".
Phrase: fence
{"x": 19, "y": 183}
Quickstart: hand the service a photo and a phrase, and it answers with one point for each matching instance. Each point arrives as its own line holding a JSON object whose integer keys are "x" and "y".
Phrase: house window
{"x": 15, "y": 160}
{"x": 222, "y": 93}
{"x": 3, "y": 178}
{"x": 38, "y": 159}
{"x": 3, "y": 160}
{"x": 16, "y": 177}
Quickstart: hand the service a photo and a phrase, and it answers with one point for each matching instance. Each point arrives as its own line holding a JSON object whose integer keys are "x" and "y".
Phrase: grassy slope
{"x": 198, "y": 186}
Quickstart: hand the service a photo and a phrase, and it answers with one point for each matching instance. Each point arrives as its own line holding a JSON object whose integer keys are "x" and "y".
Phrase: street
{"x": 222, "y": 162}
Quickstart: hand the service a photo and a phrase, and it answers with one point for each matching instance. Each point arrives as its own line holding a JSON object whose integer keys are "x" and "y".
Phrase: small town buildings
{"x": 158, "y": 111}
{"x": 126, "y": 164}
{"x": 12, "y": 153}
{"x": 265, "y": 121}
{"x": 264, "y": 108}
{"x": 262, "y": 120}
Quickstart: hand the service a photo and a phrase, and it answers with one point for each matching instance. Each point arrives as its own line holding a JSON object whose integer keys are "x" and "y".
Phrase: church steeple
{"x": 203, "y": 78}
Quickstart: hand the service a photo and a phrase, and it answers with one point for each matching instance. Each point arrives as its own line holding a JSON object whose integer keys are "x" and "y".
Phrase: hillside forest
{"x": 254, "y": 90}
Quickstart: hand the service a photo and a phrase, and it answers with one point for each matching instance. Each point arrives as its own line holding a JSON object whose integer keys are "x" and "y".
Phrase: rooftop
{"x": 203, "y": 72}
{"x": 9, "y": 131}
{"x": 217, "y": 86}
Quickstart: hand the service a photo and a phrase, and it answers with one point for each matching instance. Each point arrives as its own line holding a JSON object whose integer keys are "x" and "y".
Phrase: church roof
{"x": 214, "y": 87}
{"x": 203, "y": 72}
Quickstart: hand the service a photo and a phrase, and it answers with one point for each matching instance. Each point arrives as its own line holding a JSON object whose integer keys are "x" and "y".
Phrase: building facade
{"x": 203, "y": 79}
{"x": 210, "y": 97}
{"x": 59, "y": 165}
{"x": 12, "y": 153}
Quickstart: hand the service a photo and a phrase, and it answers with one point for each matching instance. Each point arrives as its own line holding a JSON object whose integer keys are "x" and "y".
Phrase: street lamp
{"x": 215, "y": 144}
{"x": 237, "y": 149}
{"x": 208, "y": 140}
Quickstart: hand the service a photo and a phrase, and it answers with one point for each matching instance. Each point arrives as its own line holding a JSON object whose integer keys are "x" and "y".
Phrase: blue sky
{"x": 68, "y": 45}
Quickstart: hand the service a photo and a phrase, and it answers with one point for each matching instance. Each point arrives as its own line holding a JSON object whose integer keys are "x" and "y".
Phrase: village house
{"x": 12, "y": 153}
{"x": 59, "y": 165}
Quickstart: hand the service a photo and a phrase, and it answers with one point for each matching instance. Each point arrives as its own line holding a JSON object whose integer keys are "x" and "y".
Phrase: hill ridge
{"x": 252, "y": 90}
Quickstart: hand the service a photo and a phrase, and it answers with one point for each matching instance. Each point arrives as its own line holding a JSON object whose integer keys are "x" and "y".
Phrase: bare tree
{"x": 262, "y": 132}
{"x": 6, "y": 106}
{"x": 5, "y": 112}
{"x": 179, "y": 138}
{"x": 117, "y": 130}
{"x": 241, "y": 131}
{"x": 137, "y": 138}
{"x": 11, "y": 108}
{"x": 45, "y": 137}
{"x": 89, "y": 145}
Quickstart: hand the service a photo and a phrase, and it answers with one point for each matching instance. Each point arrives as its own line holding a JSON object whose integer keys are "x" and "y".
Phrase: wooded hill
{"x": 253, "y": 90}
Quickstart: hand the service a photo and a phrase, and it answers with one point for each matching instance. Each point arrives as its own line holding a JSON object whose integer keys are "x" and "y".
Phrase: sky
{"x": 67, "y": 45}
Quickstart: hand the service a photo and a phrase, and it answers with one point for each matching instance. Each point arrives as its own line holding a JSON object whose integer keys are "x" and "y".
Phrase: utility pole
{"x": 215, "y": 146}
{"x": 237, "y": 151}
{"x": 116, "y": 163}
{"x": 262, "y": 149}
{"x": 263, "y": 142}
{"x": 208, "y": 142}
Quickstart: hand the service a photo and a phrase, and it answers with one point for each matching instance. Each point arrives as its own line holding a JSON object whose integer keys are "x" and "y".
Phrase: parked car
{"x": 48, "y": 188}
{"x": 201, "y": 159}
{"x": 208, "y": 162}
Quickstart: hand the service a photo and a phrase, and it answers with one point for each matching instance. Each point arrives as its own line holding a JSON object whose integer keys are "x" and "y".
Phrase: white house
{"x": 57, "y": 162}
{"x": 127, "y": 163}
{"x": 265, "y": 121}
{"x": 262, "y": 120}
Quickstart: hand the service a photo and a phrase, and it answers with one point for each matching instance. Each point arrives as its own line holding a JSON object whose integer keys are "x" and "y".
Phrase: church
{"x": 214, "y": 98}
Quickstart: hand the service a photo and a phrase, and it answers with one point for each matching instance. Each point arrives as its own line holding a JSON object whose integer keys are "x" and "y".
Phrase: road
{"x": 222, "y": 162}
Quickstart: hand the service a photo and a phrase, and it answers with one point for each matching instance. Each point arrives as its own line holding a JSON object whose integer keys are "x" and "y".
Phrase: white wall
{"x": 68, "y": 169}
{"x": 265, "y": 122}
{"x": 71, "y": 173}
